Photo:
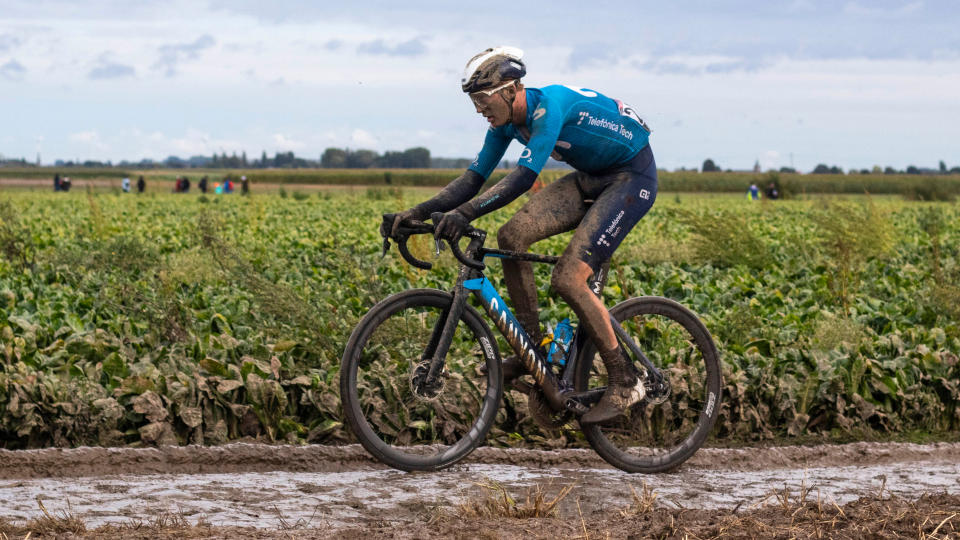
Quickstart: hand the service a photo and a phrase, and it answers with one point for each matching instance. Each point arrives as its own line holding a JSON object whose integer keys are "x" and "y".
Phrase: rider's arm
{"x": 462, "y": 188}
{"x": 544, "y": 131}
{"x": 506, "y": 190}
{"x": 467, "y": 185}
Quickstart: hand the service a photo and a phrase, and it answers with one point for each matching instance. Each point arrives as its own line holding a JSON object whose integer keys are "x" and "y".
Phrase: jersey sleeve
{"x": 544, "y": 132}
{"x": 494, "y": 145}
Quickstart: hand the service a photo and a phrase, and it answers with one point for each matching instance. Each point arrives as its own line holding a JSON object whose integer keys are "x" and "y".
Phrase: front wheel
{"x": 396, "y": 418}
{"x": 672, "y": 421}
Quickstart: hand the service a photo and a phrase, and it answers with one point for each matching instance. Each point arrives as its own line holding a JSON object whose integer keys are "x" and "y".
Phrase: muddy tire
{"x": 405, "y": 429}
{"x": 657, "y": 435}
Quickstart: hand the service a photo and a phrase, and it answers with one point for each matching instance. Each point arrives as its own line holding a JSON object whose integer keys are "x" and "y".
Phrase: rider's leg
{"x": 556, "y": 208}
{"x": 624, "y": 198}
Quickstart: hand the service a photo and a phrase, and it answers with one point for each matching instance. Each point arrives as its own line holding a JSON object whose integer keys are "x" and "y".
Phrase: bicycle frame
{"x": 558, "y": 391}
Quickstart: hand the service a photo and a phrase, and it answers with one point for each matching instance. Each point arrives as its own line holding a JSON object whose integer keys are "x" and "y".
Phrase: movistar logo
{"x": 537, "y": 114}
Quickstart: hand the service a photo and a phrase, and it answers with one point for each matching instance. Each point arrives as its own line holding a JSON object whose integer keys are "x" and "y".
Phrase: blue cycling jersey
{"x": 581, "y": 127}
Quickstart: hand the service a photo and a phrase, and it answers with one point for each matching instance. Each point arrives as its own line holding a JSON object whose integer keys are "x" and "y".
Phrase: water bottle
{"x": 562, "y": 335}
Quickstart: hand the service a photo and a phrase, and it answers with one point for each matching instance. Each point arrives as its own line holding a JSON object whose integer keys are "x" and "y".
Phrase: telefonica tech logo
{"x": 615, "y": 127}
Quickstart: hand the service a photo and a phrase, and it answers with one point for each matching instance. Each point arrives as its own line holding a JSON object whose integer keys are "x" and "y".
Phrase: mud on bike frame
{"x": 559, "y": 392}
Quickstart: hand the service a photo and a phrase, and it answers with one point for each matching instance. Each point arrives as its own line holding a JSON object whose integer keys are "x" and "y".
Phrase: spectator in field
{"x": 772, "y": 192}
{"x": 185, "y": 185}
{"x": 753, "y": 193}
{"x": 217, "y": 188}
{"x": 65, "y": 184}
{"x": 244, "y": 185}
{"x": 56, "y": 182}
{"x": 202, "y": 184}
{"x": 228, "y": 185}
{"x": 125, "y": 184}
{"x": 141, "y": 184}
{"x": 176, "y": 185}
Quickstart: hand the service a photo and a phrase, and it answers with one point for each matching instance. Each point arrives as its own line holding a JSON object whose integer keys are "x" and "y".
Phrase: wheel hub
{"x": 657, "y": 392}
{"x": 419, "y": 385}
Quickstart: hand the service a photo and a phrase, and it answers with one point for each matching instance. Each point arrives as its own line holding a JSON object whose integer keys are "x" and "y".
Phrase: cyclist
{"x": 614, "y": 185}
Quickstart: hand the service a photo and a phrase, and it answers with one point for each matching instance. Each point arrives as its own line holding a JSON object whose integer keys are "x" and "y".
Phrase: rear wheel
{"x": 397, "y": 419}
{"x": 672, "y": 421}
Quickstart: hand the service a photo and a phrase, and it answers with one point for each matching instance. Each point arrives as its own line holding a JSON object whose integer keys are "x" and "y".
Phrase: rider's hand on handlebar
{"x": 451, "y": 226}
{"x": 389, "y": 229}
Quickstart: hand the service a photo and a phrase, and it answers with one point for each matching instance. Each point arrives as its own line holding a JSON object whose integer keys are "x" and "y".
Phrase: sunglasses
{"x": 482, "y": 96}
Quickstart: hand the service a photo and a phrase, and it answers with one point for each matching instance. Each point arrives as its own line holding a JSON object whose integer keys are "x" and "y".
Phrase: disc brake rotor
{"x": 419, "y": 386}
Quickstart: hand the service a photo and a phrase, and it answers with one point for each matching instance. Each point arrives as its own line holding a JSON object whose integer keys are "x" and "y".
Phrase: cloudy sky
{"x": 801, "y": 82}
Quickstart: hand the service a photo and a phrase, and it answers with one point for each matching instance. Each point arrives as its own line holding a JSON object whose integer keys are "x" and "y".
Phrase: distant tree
{"x": 836, "y": 170}
{"x": 876, "y": 170}
{"x": 361, "y": 159}
{"x": 416, "y": 158}
{"x": 788, "y": 170}
{"x": 821, "y": 168}
{"x": 243, "y": 158}
{"x": 333, "y": 158}
{"x": 710, "y": 166}
{"x": 912, "y": 169}
{"x": 863, "y": 171}
{"x": 955, "y": 170}
{"x": 391, "y": 160}
{"x": 174, "y": 162}
{"x": 889, "y": 170}
{"x": 943, "y": 167}
{"x": 264, "y": 160}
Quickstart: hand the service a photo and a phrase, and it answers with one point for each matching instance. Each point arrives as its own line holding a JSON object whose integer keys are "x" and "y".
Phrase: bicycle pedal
{"x": 575, "y": 407}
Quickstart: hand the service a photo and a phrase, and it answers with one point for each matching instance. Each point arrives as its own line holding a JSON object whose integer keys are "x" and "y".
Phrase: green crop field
{"x": 152, "y": 319}
{"x": 911, "y": 186}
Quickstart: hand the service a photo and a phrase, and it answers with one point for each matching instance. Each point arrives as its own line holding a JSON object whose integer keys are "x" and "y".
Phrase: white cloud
{"x": 770, "y": 160}
{"x": 855, "y": 8}
{"x": 89, "y": 138}
{"x": 363, "y": 139}
{"x": 286, "y": 144}
{"x": 12, "y": 71}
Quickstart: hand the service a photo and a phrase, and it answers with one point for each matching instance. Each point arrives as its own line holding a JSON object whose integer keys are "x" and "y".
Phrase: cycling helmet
{"x": 491, "y": 68}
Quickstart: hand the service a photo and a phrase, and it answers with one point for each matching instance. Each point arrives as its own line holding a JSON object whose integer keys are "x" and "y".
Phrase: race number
{"x": 627, "y": 110}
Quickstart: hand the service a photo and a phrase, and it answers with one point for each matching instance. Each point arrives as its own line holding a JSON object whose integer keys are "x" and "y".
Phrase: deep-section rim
{"x": 348, "y": 382}
{"x": 673, "y": 310}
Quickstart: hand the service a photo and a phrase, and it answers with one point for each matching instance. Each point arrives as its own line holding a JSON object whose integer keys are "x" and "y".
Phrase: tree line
{"x": 333, "y": 158}
{"x": 710, "y": 166}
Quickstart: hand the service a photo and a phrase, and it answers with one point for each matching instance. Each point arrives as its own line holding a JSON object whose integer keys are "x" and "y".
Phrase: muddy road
{"x": 326, "y": 488}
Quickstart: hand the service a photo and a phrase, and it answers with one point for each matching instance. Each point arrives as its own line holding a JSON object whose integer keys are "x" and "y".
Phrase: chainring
{"x": 541, "y": 412}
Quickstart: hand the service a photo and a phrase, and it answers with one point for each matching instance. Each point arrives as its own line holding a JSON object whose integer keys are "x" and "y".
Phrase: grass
{"x": 495, "y": 502}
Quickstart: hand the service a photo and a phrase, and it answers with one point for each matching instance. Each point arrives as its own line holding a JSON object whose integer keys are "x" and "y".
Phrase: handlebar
{"x": 405, "y": 231}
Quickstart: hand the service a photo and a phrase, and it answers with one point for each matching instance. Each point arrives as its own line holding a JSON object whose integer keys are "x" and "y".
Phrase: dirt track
{"x": 325, "y": 489}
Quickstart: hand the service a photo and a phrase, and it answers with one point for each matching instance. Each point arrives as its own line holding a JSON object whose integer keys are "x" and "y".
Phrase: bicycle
{"x": 421, "y": 379}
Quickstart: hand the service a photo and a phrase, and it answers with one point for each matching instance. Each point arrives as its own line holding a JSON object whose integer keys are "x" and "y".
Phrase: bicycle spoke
{"x": 392, "y": 411}
{"x": 663, "y": 430}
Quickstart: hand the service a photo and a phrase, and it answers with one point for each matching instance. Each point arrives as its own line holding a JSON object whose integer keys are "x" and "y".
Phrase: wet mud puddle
{"x": 272, "y": 499}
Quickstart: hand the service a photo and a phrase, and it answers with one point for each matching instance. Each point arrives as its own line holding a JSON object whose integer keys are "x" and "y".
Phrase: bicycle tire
{"x": 642, "y": 440}
{"x": 392, "y": 422}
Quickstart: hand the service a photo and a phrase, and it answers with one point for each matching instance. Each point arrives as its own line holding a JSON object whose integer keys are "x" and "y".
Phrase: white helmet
{"x": 491, "y": 67}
